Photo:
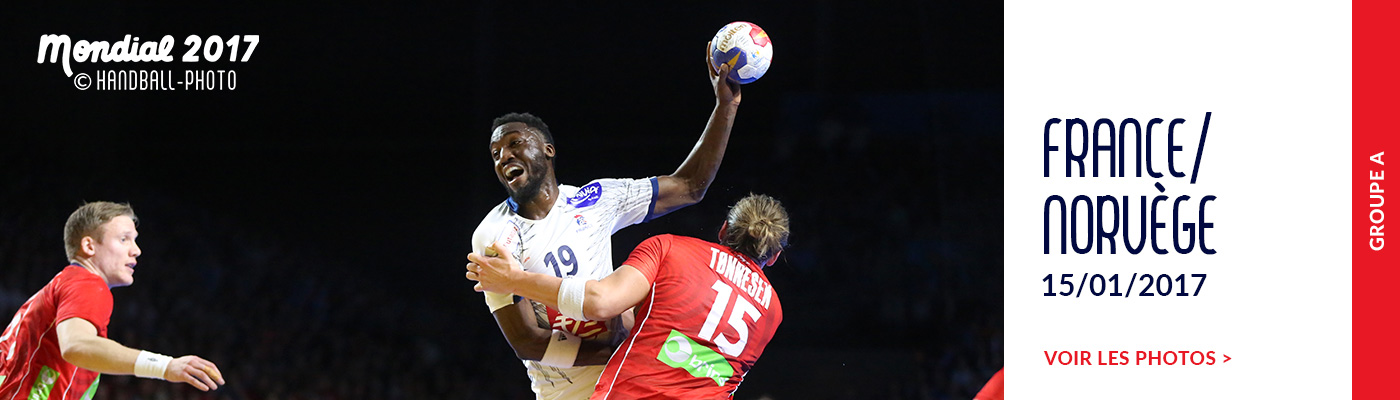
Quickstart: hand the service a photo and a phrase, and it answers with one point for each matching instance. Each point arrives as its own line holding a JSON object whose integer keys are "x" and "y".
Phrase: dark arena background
{"x": 307, "y": 231}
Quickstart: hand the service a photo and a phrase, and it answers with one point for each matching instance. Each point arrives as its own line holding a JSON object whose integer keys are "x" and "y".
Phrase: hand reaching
{"x": 197, "y": 372}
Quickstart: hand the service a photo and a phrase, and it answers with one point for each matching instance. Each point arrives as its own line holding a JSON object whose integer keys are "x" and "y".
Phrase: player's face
{"x": 116, "y": 252}
{"x": 521, "y": 158}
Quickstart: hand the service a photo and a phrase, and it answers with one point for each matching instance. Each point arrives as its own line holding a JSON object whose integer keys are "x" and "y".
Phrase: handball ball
{"x": 745, "y": 47}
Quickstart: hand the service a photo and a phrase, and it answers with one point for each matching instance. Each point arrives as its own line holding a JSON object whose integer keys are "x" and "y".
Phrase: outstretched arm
{"x": 79, "y": 344}
{"x": 688, "y": 184}
{"x": 602, "y": 300}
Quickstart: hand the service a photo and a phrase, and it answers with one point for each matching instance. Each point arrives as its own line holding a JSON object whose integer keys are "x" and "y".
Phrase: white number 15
{"x": 736, "y": 319}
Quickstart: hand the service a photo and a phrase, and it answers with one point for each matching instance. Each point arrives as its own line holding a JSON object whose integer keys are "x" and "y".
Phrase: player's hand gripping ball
{"x": 745, "y": 47}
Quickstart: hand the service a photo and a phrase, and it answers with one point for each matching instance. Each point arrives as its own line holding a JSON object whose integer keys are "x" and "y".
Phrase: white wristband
{"x": 152, "y": 365}
{"x": 496, "y": 301}
{"x": 563, "y": 349}
{"x": 571, "y": 293}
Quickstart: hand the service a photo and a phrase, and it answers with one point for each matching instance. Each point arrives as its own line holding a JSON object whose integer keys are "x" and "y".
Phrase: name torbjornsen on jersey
{"x": 739, "y": 275}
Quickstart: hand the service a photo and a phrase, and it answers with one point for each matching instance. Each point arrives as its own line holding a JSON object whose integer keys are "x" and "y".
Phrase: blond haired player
{"x": 705, "y": 311}
{"x": 566, "y": 231}
{"x": 57, "y": 343}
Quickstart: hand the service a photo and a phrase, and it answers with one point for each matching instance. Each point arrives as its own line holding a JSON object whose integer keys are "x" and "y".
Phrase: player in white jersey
{"x": 564, "y": 230}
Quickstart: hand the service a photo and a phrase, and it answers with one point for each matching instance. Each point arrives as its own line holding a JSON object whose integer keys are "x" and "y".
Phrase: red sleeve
{"x": 88, "y": 299}
{"x": 993, "y": 389}
{"x": 648, "y": 255}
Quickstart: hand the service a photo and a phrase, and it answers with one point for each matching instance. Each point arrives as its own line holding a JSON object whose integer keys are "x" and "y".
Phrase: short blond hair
{"x": 758, "y": 227}
{"x": 87, "y": 220}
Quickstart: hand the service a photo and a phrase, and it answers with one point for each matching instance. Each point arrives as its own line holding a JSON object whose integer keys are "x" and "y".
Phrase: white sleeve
{"x": 616, "y": 203}
{"x": 627, "y": 201}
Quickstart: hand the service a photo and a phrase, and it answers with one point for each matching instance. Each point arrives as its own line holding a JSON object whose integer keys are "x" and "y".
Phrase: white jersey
{"x": 574, "y": 239}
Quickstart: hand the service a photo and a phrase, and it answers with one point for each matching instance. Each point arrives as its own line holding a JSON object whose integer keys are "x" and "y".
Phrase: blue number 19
{"x": 566, "y": 255}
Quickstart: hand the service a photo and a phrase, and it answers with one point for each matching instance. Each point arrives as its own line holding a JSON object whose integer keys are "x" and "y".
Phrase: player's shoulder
{"x": 586, "y": 195}
{"x": 494, "y": 222}
{"x": 75, "y": 275}
{"x": 77, "y": 280}
{"x": 498, "y": 215}
{"x": 666, "y": 238}
{"x": 687, "y": 240}
{"x": 669, "y": 241}
{"x": 605, "y": 188}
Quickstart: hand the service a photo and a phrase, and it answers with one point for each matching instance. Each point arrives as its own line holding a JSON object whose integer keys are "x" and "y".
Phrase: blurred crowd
{"x": 902, "y": 234}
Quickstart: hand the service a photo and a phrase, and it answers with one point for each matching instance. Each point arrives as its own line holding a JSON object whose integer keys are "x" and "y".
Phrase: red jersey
{"x": 707, "y": 318}
{"x": 30, "y": 361}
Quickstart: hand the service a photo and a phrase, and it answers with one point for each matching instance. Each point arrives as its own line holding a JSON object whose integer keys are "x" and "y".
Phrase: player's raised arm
{"x": 688, "y": 184}
{"x": 80, "y": 345}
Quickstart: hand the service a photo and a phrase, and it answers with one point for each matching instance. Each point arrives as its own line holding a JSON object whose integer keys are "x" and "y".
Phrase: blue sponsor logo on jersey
{"x": 586, "y": 196}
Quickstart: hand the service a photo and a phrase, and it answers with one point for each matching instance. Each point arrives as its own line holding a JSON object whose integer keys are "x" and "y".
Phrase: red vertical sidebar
{"x": 1375, "y": 123}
